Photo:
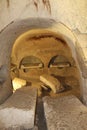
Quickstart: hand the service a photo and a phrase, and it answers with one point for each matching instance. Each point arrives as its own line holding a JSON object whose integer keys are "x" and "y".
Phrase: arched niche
{"x": 9, "y": 35}
{"x": 31, "y": 62}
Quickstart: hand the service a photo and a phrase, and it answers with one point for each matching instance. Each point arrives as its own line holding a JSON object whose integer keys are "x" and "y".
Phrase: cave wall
{"x": 72, "y": 13}
{"x": 13, "y": 31}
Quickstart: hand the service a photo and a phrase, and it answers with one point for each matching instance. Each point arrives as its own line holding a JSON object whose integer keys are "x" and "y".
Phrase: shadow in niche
{"x": 30, "y": 62}
{"x": 59, "y": 61}
{"x": 71, "y": 85}
{"x": 46, "y": 92}
{"x": 62, "y": 81}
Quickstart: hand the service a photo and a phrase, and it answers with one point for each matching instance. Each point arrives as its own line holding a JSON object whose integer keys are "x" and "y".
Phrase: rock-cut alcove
{"x": 41, "y": 51}
{"x": 43, "y": 39}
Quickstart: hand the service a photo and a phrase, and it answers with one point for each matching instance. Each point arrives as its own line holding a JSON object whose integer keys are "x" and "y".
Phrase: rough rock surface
{"x": 18, "y": 112}
{"x": 52, "y": 82}
{"x": 66, "y": 113}
{"x": 72, "y": 13}
{"x": 18, "y": 83}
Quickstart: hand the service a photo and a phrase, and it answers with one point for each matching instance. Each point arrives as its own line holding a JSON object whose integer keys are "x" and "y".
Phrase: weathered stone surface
{"x": 18, "y": 83}
{"x": 19, "y": 110}
{"x": 72, "y": 13}
{"x": 65, "y": 113}
{"x": 52, "y": 82}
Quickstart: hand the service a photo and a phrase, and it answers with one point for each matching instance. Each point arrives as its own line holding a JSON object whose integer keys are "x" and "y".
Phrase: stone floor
{"x": 65, "y": 113}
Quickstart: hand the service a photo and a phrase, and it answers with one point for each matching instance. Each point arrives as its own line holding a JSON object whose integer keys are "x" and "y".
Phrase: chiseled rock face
{"x": 65, "y": 113}
{"x": 19, "y": 110}
{"x": 72, "y": 13}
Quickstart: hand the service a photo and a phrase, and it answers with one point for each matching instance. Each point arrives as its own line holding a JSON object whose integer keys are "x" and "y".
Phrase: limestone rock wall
{"x": 72, "y": 13}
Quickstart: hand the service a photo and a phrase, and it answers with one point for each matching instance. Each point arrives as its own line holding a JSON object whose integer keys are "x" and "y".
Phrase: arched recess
{"x": 15, "y": 29}
{"x": 59, "y": 61}
{"x": 41, "y": 43}
{"x": 31, "y": 62}
{"x": 44, "y": 43}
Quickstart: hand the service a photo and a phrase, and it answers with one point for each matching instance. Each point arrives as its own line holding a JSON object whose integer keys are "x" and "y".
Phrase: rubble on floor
{"x": 52, "y": 82}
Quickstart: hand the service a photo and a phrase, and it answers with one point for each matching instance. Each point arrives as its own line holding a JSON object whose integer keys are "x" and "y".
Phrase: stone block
{"x": 52, "y": 82}
{"x": 19, "y": 110}
{"x": 65, "y": 113}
